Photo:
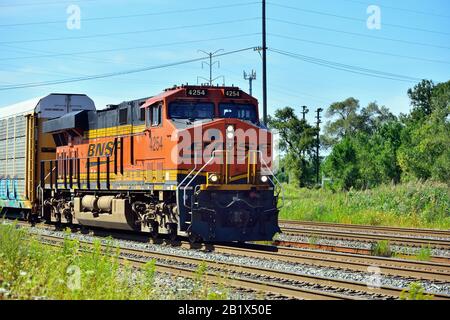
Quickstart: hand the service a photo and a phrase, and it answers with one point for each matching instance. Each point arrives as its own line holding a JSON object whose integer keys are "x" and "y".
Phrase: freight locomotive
{"x": 193, "y": 161}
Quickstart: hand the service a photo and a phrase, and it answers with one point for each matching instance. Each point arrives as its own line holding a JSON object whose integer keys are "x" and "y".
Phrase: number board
{"x": 232, "y": 93}
{"x": 197, "y": 92}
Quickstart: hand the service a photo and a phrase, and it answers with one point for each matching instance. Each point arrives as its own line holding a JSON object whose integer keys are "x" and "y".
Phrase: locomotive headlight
{"x": 230, "y": 132}
{"x": 214, "y": 178}
{"x": 264, "y": 179}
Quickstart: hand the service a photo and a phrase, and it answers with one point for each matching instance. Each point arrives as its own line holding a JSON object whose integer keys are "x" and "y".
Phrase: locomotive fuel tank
{"x": 105, "y": 212}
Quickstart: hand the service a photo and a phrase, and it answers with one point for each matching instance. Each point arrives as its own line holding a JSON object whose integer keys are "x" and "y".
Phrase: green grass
{"x": 416, "y": 205}
{"x": 381, "y": 248}
{"x": 424, "y": 253}
{"x": 32, "y": 270}
{"x": 415, "y": 292}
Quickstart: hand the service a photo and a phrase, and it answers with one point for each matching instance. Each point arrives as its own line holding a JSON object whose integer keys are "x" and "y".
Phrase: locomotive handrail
{"x": 274, "y": 176}
{"x": 192, "y": 171}
{"x": 40, "y": 188}
{"x": 195, "y": 176}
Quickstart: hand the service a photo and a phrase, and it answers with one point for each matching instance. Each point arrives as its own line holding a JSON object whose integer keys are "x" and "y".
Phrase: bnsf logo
{"x": 105, "y": 149}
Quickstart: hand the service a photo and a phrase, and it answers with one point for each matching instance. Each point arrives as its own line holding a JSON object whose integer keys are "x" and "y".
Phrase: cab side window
{"x": 123, "y": 116}
{"x": 148, "y": 117}
{"x": 156, "y": 116}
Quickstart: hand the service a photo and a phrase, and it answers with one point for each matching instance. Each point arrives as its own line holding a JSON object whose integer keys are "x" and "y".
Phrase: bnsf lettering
{"x": 105, "y": 149}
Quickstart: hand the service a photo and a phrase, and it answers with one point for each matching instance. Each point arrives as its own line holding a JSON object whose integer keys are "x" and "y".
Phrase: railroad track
{"x": 390, "y": 266}
{"x": 285, "y": 284}
{"x": 354, "y": 251}
{"x": 362, "y": 236}
{"x": 426, "y": 270}
{"x": 425, "y": 233}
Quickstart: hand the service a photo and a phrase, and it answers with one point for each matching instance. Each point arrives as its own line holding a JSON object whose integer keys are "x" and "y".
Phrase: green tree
{"x": 373, "y": 117}
{"x": 297, "y": 140}
{"x": 342, "y": 165}
{"x": 425, "y": 150}
{"x": 421, "y": 99}
{"x": 346, "y": 121}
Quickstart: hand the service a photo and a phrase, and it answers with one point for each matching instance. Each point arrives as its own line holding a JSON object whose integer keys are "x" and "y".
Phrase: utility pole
{"x": 319, "y": 121}
{"x": 264, "y": 56}
{"x": 211, "y": 64}
{"x": 304, "y": 112}
{"x": 250, "y": 77}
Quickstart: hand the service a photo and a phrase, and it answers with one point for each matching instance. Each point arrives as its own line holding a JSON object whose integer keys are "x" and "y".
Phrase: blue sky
{"x": 333, "y": 30}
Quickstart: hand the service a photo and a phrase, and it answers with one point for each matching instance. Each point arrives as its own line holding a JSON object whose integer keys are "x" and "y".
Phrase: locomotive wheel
{"x": 193, "y": 238}
{"x": 173, "y": 231}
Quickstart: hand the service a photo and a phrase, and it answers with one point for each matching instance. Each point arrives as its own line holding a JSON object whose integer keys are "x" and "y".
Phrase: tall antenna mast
{"x": 250, "y": 77}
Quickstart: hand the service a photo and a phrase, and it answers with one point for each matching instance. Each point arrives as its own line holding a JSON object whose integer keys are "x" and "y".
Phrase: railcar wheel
{"x": 58, "y": 222}
{"x": 173, "y": 231}
{"x": 154, "y": 232}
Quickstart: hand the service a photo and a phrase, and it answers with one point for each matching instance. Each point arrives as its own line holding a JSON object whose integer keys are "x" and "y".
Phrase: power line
{"x": 358, "y": 34}
{"x": 114, "y": 74}
{"x": 42, "y": 3}
{"x": 130, "y": 32}
{"x": 344, "y": 66}
{"x": 355, "y": 19}
{"x": 359, "y": 49}
{"x": 168, "y": 44}
{"x": 348, "y": 68}
{"x": 402, "y": 9}
{"x": 138, "y": 15}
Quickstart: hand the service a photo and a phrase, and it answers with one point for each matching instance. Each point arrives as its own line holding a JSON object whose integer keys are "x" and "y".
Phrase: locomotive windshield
{"x": 187, "y": 110}
{"x": 238, "y": 111}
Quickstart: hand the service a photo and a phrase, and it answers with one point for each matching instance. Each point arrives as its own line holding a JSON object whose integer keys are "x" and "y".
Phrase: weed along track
{"x": 238, "y": 276}
{"x": 277, "y": 272}
{"x": 281, "y": 284}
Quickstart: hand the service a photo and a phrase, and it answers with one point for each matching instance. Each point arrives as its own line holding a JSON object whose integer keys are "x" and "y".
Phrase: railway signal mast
{"x": 250, "y": 77}
{"x": 211, "y": 64}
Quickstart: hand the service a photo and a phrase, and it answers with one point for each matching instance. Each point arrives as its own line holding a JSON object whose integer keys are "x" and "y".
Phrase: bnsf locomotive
{"x": 193, "y": 161}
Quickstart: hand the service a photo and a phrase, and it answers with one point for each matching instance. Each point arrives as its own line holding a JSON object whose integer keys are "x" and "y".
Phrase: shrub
{"x": 415, "y": 291}
{"x": 381, "y": 248}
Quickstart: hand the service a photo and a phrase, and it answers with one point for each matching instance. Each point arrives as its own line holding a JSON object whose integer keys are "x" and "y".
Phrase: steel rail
{"x": 139, "y": 257}
{"x": 273, "y": 280}
{"x": 399, "y": 230}
{"x": 364, "y": 237}
{"x": 389, "y": 266}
